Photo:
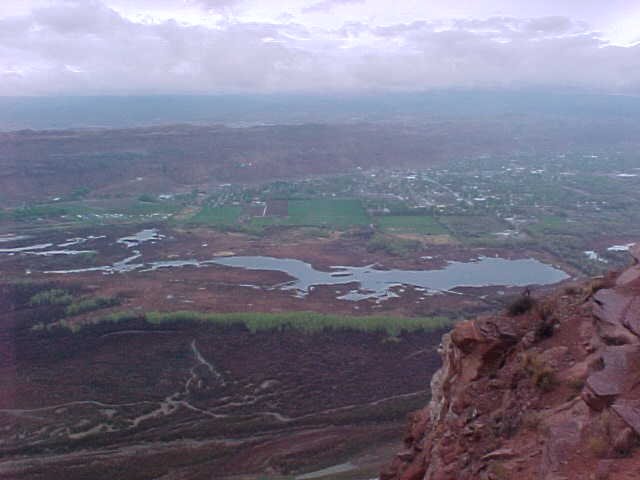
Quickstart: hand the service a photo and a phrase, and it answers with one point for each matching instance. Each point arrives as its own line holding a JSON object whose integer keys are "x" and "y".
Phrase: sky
{"x": 94, "y": 47}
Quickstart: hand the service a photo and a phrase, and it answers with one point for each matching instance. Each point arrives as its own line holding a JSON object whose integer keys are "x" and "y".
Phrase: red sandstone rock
{"x": 625, "y": 441}
{"x": 629, "y": 411}
{"x": 505, "y": 404}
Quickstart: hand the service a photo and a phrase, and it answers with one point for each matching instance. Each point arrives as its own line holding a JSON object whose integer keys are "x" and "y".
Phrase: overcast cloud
{"x": 208, "y": 46}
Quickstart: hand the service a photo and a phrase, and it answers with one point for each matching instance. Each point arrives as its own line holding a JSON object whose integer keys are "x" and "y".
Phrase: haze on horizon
{"x": 95, "y": 47}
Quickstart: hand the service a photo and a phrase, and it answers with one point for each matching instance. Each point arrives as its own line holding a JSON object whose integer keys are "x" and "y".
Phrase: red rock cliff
{"x": 552, "y": 394}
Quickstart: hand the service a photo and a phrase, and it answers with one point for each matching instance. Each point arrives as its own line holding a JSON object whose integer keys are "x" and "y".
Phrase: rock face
{"x": 552, "y": 394}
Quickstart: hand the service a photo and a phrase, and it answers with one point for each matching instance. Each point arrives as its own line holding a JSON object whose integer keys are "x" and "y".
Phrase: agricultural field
{"x": 329, "y": 213}
{"x": 564, "y": 205}
{"x": 465, "y": 226}
{"x": 93, "y": 211}
{"x": 334, "y": 213}
{"x": 425, "y": 225}
{"x": 217, "y": 216}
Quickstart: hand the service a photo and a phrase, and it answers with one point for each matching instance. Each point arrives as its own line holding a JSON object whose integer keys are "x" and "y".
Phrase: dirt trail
{"x": 205, "y": 362}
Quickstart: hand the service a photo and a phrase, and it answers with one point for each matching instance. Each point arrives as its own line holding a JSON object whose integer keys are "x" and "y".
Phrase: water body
{"x": 375, "y": 283}
{"x": 72, "y": 241}
{"x": 28, "y": 248}
{"x": 50, "y": 253}
{"x": 372, "y": 282}
{"x": 121, "y": 266}
{"x": 136, "y": 239}
{"x": 593, "y": 255}
{"x": 10, "y": 237}
{"x": 37, "y": 249}
{"x": 621, "y": 248}
{"x": 336, "y": 469}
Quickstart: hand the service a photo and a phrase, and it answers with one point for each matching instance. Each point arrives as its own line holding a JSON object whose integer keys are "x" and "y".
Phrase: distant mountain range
{"x": 247, "y": 110}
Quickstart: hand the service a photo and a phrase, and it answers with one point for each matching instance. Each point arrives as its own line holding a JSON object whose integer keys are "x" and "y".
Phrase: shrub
{"x": 80, "y": 192}
{"x": 531, "y": 420}
{"x": 147, "y": 198}
{"x": 542, "y": 374}
{"x": 572, "y": 290}
{"x": 599, "y": 283}
{"x": 576, "y": 384}
{"x": 392, "y": 246}
{"x": 544, "y": 330}
{"x": 54, "y": 296}
{"x": 308, "y": 322}
{"x": 88, "y": 257}
{"x": 545, "y": 379}
{"x": 497, "y": 471}
{"x": 305, "y": 321}
{"x": 598, "y": 445}
{"x": 600, "y": 434}
{"x": 521, "y": 305}
{"x": 120, "y": 316}
{"x": 545, "y": 310}
{"x": 90, "y": 305}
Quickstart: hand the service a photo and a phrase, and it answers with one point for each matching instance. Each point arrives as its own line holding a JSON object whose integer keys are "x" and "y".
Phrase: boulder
{"x": 620, "y": 363}
{"x": 610, "y": 308}
{"x": 466, "y": 336}
{"x": 629, "y": 411}
{"x": 625, "y": 441}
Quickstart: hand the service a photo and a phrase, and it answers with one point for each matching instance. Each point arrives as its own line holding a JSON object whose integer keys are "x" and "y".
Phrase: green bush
{"x": 306, "y": 321}
{"x": 541, "y": 373}
{"x": 90, "y": 305}
{"x": 146, "y": 197}
{"x": 54, "y": 296}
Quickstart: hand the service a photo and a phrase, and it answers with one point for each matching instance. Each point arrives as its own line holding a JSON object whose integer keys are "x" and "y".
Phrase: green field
{"x": 217, "y": 216}
{"x": 410, "y": 224}
{"x": 587, "y": 226}
{"x": 335, "y": 213}
{"x": 549, "y": 224}
{"x": 57, "y": 210}
{"x": 149, "y": 208}
{"x": 318, "y": 213}
{"x": 464, "y": 226}
{"x": 556, "y": 225}
{"x": 92, "y": 211}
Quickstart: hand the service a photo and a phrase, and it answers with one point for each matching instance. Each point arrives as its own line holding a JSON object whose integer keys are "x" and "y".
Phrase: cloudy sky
{"x": 50, "y": 47}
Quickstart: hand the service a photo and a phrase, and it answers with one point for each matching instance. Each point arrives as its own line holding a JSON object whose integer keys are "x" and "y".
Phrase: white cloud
{"x": 87, "y": 47}
{"x": 328, "y": 5}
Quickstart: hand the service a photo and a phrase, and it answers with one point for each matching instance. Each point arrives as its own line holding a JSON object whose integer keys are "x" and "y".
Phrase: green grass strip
{"x": 308, "y": 322}
{"x": 305, "y": 321}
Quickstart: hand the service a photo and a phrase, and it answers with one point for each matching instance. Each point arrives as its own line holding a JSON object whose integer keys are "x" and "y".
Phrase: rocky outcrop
{"x": 552, "y": 394}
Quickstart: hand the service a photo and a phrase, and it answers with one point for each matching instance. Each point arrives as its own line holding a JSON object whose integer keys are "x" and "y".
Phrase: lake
{"x": 377, "y": 283}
